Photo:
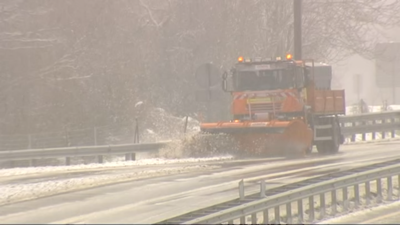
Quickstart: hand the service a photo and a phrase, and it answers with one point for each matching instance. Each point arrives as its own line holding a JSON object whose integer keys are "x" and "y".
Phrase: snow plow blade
{"x": 272, "y": 138}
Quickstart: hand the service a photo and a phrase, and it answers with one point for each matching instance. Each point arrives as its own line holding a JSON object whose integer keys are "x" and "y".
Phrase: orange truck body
{"x": 327, "y": 102}
{"x": 322, "y": 102}
{"x": 295, "y": 118}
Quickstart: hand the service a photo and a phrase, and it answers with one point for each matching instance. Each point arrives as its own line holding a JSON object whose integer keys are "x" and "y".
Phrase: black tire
{"x": 328, "y": 147}
{"x": 331, "y": 146}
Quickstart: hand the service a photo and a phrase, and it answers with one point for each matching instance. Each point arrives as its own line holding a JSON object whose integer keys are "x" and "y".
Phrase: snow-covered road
{"x": 19, "y": 184}
{"x": 153, "y": 162}
{"x": 154, "y": 198}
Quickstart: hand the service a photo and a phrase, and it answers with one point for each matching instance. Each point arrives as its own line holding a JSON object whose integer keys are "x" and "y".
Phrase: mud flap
{"x": 341, "y": 136}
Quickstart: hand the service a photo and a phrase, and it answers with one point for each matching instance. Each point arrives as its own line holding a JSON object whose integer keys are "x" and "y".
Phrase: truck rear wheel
{"x": 328, "y": 147}
{"x": 331, "y": 146}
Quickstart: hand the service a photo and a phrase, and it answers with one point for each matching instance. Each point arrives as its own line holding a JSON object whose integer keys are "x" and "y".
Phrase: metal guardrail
{"x": 128, "y": 149}
{"x": 365, "y": 117}
{"x": 257, "y": 206}
{"x": 350, "y": 126}
{"x": 374, "y": 123}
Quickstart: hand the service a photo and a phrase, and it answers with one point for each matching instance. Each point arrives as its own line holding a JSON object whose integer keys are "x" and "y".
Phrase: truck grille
{"x": 264, "y": 107}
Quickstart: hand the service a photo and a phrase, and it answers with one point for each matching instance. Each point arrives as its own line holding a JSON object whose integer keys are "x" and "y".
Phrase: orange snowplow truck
{"x": 282, "y": 106}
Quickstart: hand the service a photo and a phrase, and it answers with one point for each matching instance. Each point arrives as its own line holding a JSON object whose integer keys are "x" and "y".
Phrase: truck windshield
{"x": 263, "y": 80}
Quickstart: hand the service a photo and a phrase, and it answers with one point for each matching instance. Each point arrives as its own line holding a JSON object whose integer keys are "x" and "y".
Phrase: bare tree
{"x": 87, "y": 63}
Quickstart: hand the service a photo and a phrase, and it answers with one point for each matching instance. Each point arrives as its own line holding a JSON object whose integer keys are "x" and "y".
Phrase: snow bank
{"x": 369, "y": 139}
{"x": 112, "y": 165}
{"x": 360, "y": 214}
{"x": 11, "y": 193}
{"x": 353, "y": 110}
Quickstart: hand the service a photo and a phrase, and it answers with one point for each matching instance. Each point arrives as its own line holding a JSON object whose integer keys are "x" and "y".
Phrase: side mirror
{"x": 300, "y": 79}
{"x": 224, "y": 81}
{"x": 307, "y": 74}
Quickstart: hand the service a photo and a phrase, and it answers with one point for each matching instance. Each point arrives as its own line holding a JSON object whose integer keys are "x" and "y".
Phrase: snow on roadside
{"x": 120, "y": 164}
{"x": 368, "y": 139}
{"x": 340, "y": 209}
{"x": 359, "y": 214}
{"x": 12, "y": 193}
{"x": 351, "y": 110}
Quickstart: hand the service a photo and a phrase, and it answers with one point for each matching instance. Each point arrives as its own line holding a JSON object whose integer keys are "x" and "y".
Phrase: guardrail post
{"x": 378, "y": 190}
{"x": 186, "y": 123}
{"x": 383, "y": 133}
{"x": 67, "y": 161}
{"x": 136, "y": 134}
{"x": 353, "y": 136}
{"x": 334, "y": 199}
{"x": 345, "y": 198}
{"x": 265, "y": 216}
{"x": 373, "y": 133}
{"x": 243, "y": 220}
{"x": 254, "y": 218}
{"x": 398, "y": 187}
{"x": 262, "y": 189}
{"x": 100, "y": 158}
{"x": 322, "y": 204}
{"x": 357, "y": 195}
{"x": 32, "y": 162}
{"x": 130, "y": 156}
{"x": 393, "y": 131}
{"x": 289, "y": 213}
{"x": 277, "y": 215}
{"x": 300, "y": 210}
{"x": 311, "y": 216}
{"x": 389, "y": 188}
{"x": 364, "y": 135}
{"x": 241, "y": 190}
{"x": 367, "y": 192}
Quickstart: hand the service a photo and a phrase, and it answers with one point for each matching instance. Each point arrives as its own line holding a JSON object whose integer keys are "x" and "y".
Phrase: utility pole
{"x": 357, "y": 86}
{"x": 297, "y": 16}
{"x": 394, "y": 79}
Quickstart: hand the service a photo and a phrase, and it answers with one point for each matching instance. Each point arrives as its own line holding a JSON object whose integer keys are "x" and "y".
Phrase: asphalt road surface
{"x": 154, "y": 199}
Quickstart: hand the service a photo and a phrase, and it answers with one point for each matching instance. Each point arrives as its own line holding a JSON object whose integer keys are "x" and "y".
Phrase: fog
{"x": 369, "y": 91}
{"x": 76, "y": 65}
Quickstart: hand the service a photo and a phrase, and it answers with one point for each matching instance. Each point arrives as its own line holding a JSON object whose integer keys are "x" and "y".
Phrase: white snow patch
{"x": 142, "y": 162}
{"x": 353, "y": 110}
{"x": 358, "y": 214}
{"x": 150, "y": 131}
{"x": 18, "y": 192}
{"x": 138, "y": 104}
